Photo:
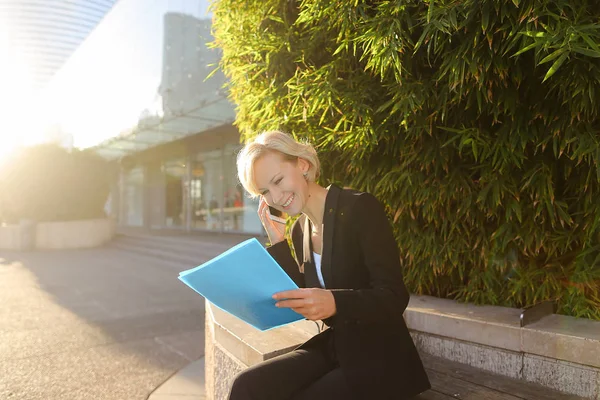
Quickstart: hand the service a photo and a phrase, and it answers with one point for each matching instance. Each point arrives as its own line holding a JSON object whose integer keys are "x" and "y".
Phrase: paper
{"x": 241, "y": 282}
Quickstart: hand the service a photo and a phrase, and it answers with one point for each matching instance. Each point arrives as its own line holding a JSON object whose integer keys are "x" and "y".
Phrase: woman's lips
{"x": 289, "y": 202}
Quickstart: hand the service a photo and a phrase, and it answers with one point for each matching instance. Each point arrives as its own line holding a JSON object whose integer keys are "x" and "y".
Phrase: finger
{"x": 307, "y": 313}
{"x": 262, "y": 204}
{"x": 302, "y": 311}
{"x": 266, "y": 214}
{"x": 291, "y": 303}
{"x": 262, "y": 212}
{"x": 291, "y": 294}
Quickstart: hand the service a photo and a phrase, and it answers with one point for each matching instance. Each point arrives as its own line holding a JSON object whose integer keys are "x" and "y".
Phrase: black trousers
{"x": 306, "y": 374}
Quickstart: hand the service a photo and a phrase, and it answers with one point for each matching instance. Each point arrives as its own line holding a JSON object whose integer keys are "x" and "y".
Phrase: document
{"x": 241, "y": 282}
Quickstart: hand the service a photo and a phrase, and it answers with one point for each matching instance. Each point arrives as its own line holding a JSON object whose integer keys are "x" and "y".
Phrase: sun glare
{"x": 21, "y": 120}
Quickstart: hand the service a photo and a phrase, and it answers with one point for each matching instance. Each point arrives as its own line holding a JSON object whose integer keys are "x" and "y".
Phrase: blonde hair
{"x": 274, "y": 142}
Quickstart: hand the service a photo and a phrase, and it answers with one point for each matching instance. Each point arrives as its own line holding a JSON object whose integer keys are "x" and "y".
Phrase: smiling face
{"x": 281, "y": 182}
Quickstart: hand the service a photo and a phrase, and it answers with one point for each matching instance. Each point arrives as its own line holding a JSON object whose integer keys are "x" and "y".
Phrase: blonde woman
{"x": 347, "y": 266}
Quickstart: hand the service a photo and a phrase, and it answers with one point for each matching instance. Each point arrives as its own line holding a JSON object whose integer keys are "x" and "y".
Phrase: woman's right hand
{"x": 275, "y": 230}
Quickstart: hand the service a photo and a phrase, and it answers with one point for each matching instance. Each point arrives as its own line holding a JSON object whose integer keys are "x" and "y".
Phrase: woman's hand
{"x": 275, "y": 230}
{"x": 312, "y": 303}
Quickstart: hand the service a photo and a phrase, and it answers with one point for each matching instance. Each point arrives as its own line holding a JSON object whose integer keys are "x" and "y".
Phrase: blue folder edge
{"x": 281, "y": 277}
{"x": 259, "y": 328}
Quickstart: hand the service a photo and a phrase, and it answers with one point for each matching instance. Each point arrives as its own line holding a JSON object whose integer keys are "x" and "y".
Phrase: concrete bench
{"x": 470, "y": 352}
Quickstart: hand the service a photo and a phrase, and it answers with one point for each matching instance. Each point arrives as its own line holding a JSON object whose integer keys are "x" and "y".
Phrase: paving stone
{"x": 94, "y": 324}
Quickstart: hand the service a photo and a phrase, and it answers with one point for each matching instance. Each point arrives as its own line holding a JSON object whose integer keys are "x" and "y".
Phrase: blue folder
{"x": 241, "y": 282}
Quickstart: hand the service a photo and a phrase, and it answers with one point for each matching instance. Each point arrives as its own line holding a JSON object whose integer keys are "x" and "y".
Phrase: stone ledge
{"x": 557, "y": 337}
{"x": 251, "y": 346}
{"x": 74, "y": 234}
{"x": 564, "y": 338}
{"x": 10, "y": 237}
{"x": 563, "y": 376}
{"x": 487, "y": 325}
{"x": 57, "y": 235}
{"x": 566, "y": 349}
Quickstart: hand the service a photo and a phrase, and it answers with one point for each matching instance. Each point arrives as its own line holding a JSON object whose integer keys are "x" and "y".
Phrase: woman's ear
{"x": 303, "y": 165}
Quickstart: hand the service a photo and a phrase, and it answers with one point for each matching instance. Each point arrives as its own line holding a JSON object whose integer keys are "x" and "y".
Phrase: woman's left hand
{"x": 312, "y": 303}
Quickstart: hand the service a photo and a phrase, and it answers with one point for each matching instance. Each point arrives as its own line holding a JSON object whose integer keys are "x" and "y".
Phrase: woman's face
{"x": 281, "y": 182}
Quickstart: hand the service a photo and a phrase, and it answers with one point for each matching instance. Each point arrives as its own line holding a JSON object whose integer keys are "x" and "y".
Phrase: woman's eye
{"x": 278, "y": 180}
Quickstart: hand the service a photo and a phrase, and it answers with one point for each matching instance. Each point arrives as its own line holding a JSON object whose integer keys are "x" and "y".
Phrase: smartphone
{"x": 277, "y": 215}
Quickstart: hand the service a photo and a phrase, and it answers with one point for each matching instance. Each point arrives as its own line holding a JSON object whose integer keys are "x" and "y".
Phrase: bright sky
{"x": 102, "y": 89}
{"x": 17, "y": 97}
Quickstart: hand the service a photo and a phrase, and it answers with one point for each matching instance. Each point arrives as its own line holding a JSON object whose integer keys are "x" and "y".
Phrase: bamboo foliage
{"x": 476, "y": 122}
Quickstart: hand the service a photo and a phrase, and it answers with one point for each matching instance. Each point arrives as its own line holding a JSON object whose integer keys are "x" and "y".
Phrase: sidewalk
{"x": 185, "y": 384}
{"x": 105, "y": 323}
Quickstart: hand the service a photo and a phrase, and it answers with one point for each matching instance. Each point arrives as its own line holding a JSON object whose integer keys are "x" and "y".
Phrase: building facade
{"x": 43, "y": 34}
{"x": 138, "y": 92}
{"x": 189, "y": 185}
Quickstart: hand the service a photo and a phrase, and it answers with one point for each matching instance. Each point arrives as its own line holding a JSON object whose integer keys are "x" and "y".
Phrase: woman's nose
{"x": 277, "y": 196}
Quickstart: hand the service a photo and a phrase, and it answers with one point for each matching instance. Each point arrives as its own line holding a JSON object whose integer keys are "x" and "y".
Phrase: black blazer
{"x": 361, "y": 266}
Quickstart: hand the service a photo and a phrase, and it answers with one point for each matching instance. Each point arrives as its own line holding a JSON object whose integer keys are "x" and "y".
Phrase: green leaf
{"x": 586, "y": 52}
{"x": 592, "y": 27}
{"x": 552, "y": 56}
{"x": 590, "y": 42}
{"x": 560, "y": 208}
{"x": 556, "y": 66}
{"x": 533, "y": 34}
{"x": 523, "y": 50}
{"x": 430, "y": 11}
{"x": 485, "y": 17}
{"x": 481, "y": 198}
{"x": 516, "y": 207}
{"x": 447, "y": 131}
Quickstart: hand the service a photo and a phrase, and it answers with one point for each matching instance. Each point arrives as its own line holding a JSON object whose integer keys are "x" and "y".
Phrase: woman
{"x": 347, "y": 266}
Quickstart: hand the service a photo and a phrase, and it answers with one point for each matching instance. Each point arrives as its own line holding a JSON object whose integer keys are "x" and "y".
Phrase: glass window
{"x": 240, "y": 211}
{"x": 133, "y": 197}
{"x": 205, "y": 190}
{"x": 217, "y": 199}
{"x": 175, "y": 172}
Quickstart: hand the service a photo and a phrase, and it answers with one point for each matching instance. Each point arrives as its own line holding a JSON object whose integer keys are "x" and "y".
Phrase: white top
{"x": 317, "y": 258}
